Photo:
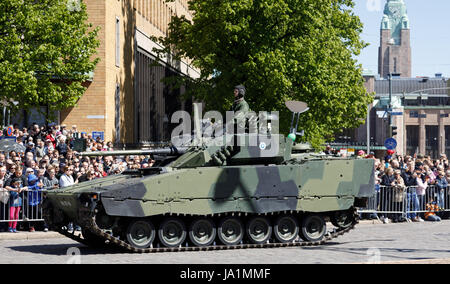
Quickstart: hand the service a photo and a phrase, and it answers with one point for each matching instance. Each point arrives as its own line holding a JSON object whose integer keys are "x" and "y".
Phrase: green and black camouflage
{"x": 255, "y": 190}
{"x": 214, "y": 182}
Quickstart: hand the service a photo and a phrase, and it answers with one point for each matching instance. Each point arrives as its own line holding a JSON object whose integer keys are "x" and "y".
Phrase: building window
{"x": 447, "y": 140}
{"x": 412, "y": 139}
{"x": 117, "y": 42}
{"x": 155, "y": 99}
{"x": 117, "y": 114}
{"x": 432, "y": 141}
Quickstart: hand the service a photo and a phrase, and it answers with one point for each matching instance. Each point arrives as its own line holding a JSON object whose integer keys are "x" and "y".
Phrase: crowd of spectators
{"x": 414, "y": 187}
{"x": 419, "y": 182}
{"x": 49, "y": 161}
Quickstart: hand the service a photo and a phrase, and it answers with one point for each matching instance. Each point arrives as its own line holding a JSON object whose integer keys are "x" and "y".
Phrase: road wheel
{"x": 313, "y": 228}
{"x": 259, "y": 230}
{"x": 141, "y": 233}
{"x": 172, "y": 232}
{"x": 286, "y": 229}
{"x": 230, "y": 231}
{"x": 342, "y": 219}
{"x": 202, "y": 232}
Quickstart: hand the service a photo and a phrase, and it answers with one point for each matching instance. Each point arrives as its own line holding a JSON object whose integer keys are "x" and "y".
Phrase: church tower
{"x": 395, "y": 48}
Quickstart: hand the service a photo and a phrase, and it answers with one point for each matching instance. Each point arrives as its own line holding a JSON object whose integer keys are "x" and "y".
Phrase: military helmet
{"x": 241, "y": 89}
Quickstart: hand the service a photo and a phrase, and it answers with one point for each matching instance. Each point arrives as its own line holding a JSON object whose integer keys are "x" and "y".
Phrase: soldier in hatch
{"x": 240, "y": 107}
{"x": 239, "y": 102}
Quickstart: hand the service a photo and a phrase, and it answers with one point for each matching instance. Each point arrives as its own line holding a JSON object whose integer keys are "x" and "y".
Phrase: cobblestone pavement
{"x": 394, "y": 243}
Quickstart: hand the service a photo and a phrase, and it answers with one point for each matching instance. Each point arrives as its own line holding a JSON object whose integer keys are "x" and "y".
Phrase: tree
{"x": 45, "y": 54}
{"x": 280, "y": 50}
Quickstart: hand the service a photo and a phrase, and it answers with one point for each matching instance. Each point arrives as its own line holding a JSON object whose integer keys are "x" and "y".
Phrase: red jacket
{"x": 51, "y": 139}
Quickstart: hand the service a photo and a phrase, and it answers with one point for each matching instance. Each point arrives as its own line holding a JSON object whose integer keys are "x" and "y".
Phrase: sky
{"x": 430, "y": 35}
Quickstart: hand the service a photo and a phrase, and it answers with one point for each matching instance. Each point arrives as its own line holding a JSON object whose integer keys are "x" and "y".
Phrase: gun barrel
{"x": 170, "y": 151}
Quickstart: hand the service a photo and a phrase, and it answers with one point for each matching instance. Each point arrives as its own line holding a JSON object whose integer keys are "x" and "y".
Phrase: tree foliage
{"x": 280, "y": 50}
{"x": 45, "y": 54}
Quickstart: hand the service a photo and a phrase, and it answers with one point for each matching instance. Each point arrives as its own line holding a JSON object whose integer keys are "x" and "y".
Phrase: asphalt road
{"x": 398, "y": 243}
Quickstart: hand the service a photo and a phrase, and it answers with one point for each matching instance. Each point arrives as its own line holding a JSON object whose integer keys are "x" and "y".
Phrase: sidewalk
{"x": 370, "y": 222}
{"x": 23, "y": 235}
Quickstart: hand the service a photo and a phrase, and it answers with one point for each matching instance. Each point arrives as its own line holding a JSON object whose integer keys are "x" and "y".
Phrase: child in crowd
{"x": 15, "y": 205}
{"x": 34, "y": 199}
{"x": 432, "y": 208}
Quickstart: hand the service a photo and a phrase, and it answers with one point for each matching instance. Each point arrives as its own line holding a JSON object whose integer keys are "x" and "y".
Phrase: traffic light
{"x": 394, "y": 130}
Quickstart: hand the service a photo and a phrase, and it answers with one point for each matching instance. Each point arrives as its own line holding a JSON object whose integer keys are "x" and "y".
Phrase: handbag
{"x": 4, "y": 196}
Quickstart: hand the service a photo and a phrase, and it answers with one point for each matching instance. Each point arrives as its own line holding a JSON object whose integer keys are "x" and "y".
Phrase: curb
{"x": 370, "y": 222}
{"x": 30, "y": 236}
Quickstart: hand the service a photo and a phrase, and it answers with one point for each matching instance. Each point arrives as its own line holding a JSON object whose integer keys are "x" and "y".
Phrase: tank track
{"x": 91, "y": 225}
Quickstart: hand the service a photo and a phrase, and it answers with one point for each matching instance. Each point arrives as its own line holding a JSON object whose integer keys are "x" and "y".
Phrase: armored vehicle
{"x": 254, "y": 192}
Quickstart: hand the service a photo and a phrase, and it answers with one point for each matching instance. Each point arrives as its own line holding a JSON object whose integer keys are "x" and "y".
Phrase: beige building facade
{"x": 125, "y": 82}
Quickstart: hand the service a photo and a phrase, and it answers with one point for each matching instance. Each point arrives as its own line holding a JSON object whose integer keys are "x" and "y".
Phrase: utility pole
{"x": 4, "y": 116}
{"x": 391, "y": 128}
{"x": 390, "y": 107}
{"x": 368, "y": 129}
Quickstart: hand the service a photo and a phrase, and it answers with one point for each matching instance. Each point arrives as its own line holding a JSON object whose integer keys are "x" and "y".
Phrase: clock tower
{"x": 395, "y": 48}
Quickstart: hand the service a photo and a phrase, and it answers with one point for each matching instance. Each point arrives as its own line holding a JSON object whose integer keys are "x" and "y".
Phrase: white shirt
{"x": 421, "y": 186}
{"x": 66, "y": 180}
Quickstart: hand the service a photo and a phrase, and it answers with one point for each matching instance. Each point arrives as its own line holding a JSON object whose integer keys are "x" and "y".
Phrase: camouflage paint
{"x": 307, "y": 183}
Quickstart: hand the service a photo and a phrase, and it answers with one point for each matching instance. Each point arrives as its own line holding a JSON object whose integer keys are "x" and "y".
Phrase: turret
{"x": 245, "y": 149}
{"x": 241, "y": 149}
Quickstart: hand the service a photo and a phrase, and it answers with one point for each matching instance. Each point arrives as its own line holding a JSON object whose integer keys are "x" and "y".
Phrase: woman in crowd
{"x": 399, "y": 190}
{"x": 388, "y": 182}
{"x": 422, "y": 184}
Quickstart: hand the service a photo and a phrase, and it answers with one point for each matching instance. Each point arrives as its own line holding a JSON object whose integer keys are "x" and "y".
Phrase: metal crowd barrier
{"x": 387, "y": 200}
{"x": 407, "y": 201}
{"x": 30, "y": 209}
